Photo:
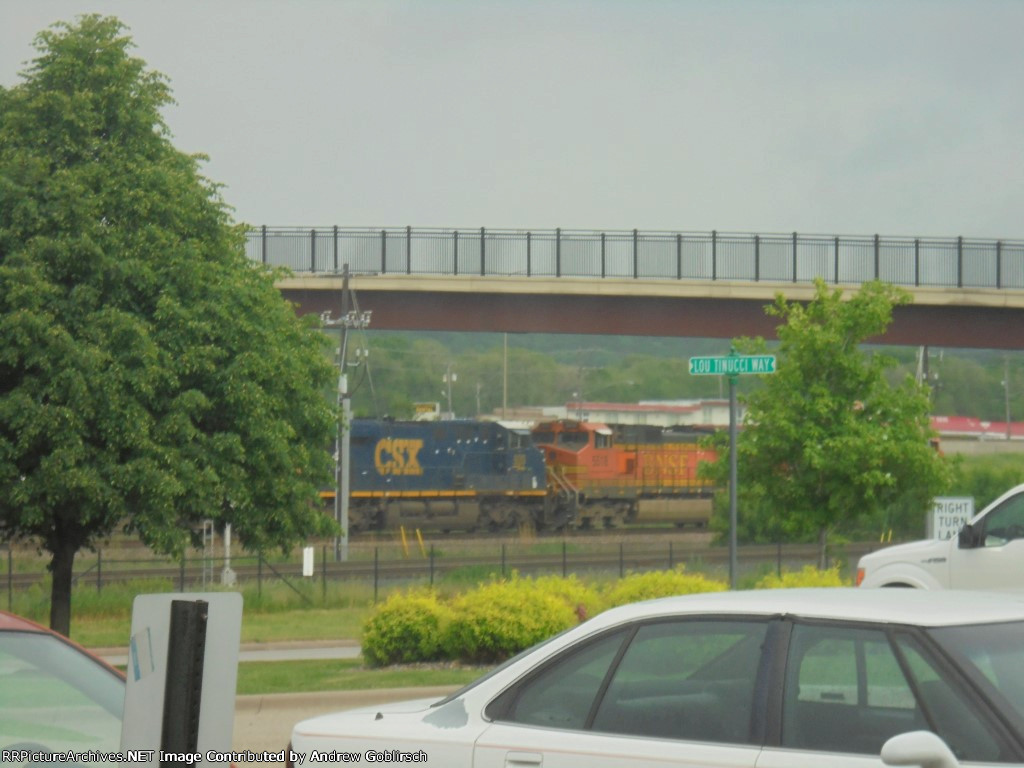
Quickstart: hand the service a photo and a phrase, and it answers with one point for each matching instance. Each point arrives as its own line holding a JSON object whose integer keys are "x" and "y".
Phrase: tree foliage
{"x": 150, "y": 376}
{"x": 828, "y": 443}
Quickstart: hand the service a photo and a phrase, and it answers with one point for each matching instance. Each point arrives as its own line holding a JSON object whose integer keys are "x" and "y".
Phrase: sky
{"x": 896, "y": 117}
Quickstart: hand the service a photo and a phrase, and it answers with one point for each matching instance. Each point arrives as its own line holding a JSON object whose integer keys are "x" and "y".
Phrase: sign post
{"x": 732, "y": 365}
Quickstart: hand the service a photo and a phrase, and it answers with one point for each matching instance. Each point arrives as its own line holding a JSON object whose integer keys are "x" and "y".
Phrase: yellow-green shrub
{"x": 652, "y": 584}
{"x": 407, "y": 627}
{"x": 808, "y": 576}
{"x": 585, "y": 601}
{"x": 499, "y": 619}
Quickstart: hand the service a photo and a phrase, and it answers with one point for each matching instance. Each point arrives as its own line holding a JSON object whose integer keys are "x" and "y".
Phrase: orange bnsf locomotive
{"x": 610, "y": 475}
{"x": 483, "y": 475}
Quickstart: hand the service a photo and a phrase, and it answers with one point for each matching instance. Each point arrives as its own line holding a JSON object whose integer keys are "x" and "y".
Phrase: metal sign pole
{"x": 733, "y": 480}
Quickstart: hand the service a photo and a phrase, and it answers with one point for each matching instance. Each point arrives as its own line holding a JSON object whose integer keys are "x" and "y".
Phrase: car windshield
{"x": 993, "y": 654}
{"x": 55, "y": 698}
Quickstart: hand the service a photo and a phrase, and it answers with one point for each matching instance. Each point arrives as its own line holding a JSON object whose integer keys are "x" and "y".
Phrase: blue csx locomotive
{"x": 447, "y": 475}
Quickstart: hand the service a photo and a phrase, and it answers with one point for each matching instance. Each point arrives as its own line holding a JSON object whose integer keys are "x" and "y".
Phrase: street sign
{"x": 732, "y": 365}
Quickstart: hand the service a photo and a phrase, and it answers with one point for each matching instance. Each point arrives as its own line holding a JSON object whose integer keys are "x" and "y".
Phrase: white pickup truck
{"x": 988, "y": 554}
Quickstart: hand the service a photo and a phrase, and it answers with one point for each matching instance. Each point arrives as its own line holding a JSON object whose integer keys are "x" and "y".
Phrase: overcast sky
{"x": 890, "y": 117}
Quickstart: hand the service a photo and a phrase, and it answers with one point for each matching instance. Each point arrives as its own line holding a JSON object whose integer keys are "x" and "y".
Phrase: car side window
{"x": 563, "y": 693}
{"x": 1005, "y": 522}
{"x": 691, "y": 680}
{"x": 845, "y": 691}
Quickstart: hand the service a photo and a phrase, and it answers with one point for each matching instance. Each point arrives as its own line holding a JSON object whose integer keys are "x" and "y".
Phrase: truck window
{"x": 1005, "y": 522}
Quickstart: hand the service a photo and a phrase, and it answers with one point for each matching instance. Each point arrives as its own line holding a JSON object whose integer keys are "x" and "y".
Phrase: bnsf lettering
{"x": 398, "y": 457}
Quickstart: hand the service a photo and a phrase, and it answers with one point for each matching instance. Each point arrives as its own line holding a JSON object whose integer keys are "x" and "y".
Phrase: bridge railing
{"x": 951, "y": 262}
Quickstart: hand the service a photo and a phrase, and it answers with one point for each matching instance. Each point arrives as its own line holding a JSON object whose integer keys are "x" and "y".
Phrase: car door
{"x": 847, "y": 690}
{"x": 998, "y": 563}
{"x": 666, "y": 693}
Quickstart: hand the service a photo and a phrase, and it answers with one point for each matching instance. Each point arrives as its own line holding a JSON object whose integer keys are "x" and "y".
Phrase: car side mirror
{"x": 918, "y": 748}
{"x": 968, "y": 538}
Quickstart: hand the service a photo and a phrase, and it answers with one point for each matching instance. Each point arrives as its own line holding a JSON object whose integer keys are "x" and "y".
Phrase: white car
{"x": 772, "y": 679}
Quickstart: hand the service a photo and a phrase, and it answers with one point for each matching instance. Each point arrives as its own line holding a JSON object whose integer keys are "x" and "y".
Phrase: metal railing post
{"x": 837, "y": 258}
{"x": 794, "y": 258}
{"x": 529, "y": 265}
{"x": 312, "y": 250}
{"x": 917, "y": 261}
{"x": 455, "y": 246}
{"x": 960, "y": 261}
{"x": 877, "y": 259}
{"x": 335, "y": 247}
{"x": 483, "y": 254}
{"x": 603, "y": 270}
{"x": 757, "y": 258}
{"x": 383, "y": 252}
{"x": 263, "y": 243}
{"x": 408, "y": 246}
{"x": 999, "y": 263}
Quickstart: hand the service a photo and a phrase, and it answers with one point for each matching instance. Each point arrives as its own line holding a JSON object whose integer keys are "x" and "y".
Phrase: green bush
{"x": 499, "y": 619}
{"x": 808, "y": 576}
{"x": 652, "y": 584}
{"x": 407, "y": 627}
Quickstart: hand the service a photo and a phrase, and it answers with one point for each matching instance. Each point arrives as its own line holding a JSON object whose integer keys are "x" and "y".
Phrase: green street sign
{"x": 732, "y": 365}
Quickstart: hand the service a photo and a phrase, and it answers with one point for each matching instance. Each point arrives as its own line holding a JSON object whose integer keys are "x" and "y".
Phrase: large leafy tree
{"x": 828, "y": 443}
{"x": 150, "y": 376}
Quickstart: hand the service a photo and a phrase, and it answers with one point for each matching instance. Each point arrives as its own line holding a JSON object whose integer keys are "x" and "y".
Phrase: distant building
{"x": 658, "y": 413}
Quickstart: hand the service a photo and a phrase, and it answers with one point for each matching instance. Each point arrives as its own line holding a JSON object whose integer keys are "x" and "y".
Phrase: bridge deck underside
{"x": 983, "y": 327}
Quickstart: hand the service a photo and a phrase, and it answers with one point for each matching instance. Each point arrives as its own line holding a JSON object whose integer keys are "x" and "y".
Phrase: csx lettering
{"x": 398, "y": 457}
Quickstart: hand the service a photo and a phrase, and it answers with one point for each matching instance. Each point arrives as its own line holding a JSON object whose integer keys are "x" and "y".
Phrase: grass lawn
{"x": 343, "y": 675}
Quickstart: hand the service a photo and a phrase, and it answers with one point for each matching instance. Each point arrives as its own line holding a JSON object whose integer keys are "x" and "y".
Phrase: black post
{"x": 794, "y": 258}
{"x": 376, "y": 572}
{"x": 529, "y": 266}
{"x": 714, "y": 255}
{"x": 837, "y": 257}
{"x": 917, "y": 261}
{"x": 383, "y": 252}
{"x": 183, "y": 689}
{"x": 877, "y": 258}
{"x": 483, "y": 254}
{"x": 408, "y": 247}
{"x": 999, "y": 263}
{"x": 960, "y": 262}
{"x": 263, "y": 242}
{"x": 335, "y": 233}
{"x": 323, "y": 572}
{"x": 757, "y": 258}
{"x": 312, "y": 250}
{"x": 455, "y": 251}
{"x": 603, "y": 268}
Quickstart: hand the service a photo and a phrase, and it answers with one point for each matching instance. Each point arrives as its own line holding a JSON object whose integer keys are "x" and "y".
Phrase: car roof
{"x": 888, "y": 606}
{"x": 11, "y": 622}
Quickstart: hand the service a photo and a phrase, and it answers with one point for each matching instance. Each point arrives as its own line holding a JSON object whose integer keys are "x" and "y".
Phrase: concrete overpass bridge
{"x": 967, "y": 292}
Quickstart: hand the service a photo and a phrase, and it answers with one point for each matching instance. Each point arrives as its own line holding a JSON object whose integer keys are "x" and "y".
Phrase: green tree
{"x": 827, "y": 442}
{"x": 150, "y": 376}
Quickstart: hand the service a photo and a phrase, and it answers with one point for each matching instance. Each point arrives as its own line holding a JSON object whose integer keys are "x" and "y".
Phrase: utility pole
{"x": 350, "y": 318}
{"x": 449, "y": 377}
